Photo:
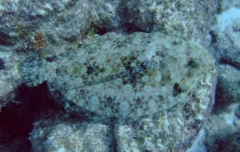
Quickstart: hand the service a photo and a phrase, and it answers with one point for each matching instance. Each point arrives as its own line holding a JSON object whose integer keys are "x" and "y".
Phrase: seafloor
{"x": 177, "y": 91}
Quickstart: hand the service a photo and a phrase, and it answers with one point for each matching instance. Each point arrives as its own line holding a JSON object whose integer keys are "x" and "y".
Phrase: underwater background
{"x": 119, "y": 75}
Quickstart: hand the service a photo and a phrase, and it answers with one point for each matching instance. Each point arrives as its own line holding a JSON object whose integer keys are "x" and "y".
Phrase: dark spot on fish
{"x": 193, "y": 63}
{"x": 90, "y": 70}
{"x": 177, "y": 89}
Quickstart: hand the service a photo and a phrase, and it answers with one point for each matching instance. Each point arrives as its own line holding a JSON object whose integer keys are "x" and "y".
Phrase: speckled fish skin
{"x": 123, "y": 76}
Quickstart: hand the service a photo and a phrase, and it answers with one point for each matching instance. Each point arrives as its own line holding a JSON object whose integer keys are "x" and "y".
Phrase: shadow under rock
{"x": 17, "y": 118}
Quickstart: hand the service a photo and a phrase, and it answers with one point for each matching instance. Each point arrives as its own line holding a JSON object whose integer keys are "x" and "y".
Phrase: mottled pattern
{"x": 123, "y": 76}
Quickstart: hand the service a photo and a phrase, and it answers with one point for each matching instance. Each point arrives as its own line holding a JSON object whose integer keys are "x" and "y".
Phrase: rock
{"x": 105, "y": 15}
{"x": 9, "y": 77}
{"x": 222, "y": 129}
{"x": 63, "y": 22}
{"x": 61, "y": 136}
{"x": 228, "y": 86}
{"x": 225, "y": 36}
{"x": 192, "y": 19}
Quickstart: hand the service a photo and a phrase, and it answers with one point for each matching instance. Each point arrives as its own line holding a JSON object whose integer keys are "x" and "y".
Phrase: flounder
{"x": 123, "y": 76}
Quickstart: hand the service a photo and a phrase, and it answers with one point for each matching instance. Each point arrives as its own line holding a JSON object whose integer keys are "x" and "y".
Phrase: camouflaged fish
{"x": 123, "y": 76}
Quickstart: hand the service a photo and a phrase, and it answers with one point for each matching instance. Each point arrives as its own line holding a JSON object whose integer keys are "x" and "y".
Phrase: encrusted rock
{"x": 225, "y": 36}
{"x": 191, "y": 19}
{"x": 228, "y": 87}
{"x": 61, "y": 136}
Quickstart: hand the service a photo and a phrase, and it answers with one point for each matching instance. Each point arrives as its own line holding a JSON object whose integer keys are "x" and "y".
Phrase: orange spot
{"x": 39, "y": 40}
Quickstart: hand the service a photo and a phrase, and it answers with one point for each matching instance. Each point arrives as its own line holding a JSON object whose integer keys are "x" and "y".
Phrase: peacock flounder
{"x": 126, "y": 77}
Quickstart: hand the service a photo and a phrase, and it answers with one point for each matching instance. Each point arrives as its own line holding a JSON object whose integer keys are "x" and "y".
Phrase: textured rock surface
{"x": 225, "y": 36}
{"x": 224, "y": 5}
{"x": 191, "y": 19}
{"x": 105, "y": 14}
{"x": 62, "y": 22}
{"x": 61, "y": 136}
{"x": 123, "y": 76}
{"x": 9, "y": 76}
{"x": 222, "y": 129}
{"x": 228, "y": 87}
